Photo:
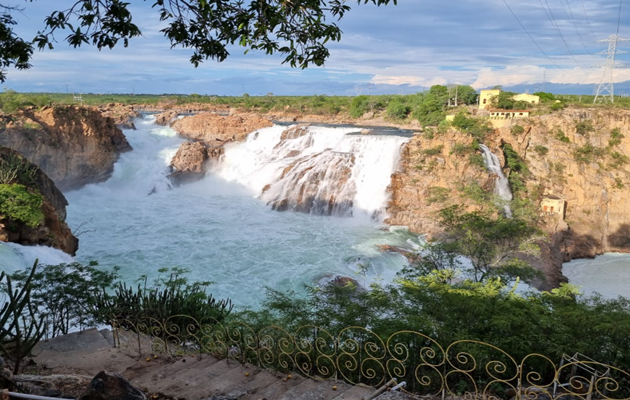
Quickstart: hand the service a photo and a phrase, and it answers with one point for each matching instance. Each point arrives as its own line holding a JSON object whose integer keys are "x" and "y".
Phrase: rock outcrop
{"x": 209, "y": 127}
{"x": 122, "y": 114}
{"x": 53, "y": 231}
{"x": 435, "y": 173}
{"x": 74, "y": 146}
{"x": 111, "y": 386}
{"x": 165, "y": 118}
{"x": 189, "y": 163}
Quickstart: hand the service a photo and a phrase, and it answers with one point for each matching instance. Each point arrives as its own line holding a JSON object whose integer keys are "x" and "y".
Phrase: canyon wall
{"x": 74, "y": 146}
{"x": 579, "y": 155}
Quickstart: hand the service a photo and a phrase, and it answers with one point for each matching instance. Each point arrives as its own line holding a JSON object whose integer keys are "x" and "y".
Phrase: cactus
{"x": 20, "y": 328}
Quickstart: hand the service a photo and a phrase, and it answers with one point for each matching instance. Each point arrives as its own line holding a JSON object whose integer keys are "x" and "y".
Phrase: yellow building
{"x": 553, "y": 204}
{"x": 485, "y": 98}
{"x": 530, "y": 98}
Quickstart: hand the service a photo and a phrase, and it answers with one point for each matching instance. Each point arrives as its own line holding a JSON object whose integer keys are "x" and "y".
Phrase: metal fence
{"x": 358, "y": 355}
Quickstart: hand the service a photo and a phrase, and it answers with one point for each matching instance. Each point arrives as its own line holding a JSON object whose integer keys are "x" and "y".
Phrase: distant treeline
{"x": 429, "y": 107}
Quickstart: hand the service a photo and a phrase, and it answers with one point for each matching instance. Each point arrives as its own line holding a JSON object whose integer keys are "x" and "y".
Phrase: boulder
{"x": 111, "y": 386}
{"x": 189, "y": 163}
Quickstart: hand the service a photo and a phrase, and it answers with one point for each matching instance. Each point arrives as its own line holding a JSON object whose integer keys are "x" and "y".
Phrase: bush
{"x": 517, "y": 130}
{"x": 541, "y": 150}
{"x": 18, "y": 204}
{"x": 65, "y": 295}
{"x": 557, "y": 106}
{"x": 437, "y": 194}
{"x": 473, "y": 126}
{"x": 434, "y": 151}
{"x": 615, "y": 138}
{"x": 164, "y": 298}
{"x": 583, "y": 127}
{"x": 359, "y": 106}
{"x": 397, "y": 109}
{"x": 587, "y": 153}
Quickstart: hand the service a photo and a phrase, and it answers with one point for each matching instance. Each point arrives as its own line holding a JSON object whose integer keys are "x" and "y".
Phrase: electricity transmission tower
{"x": 605, "y": 90}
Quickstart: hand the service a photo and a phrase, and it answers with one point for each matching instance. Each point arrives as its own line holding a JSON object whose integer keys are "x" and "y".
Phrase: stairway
{"x": 192, "y": 378}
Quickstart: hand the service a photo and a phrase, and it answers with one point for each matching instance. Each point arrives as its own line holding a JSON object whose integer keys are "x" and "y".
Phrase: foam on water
{"x": 607, "y": 275}
{"x": 218, "y": 227}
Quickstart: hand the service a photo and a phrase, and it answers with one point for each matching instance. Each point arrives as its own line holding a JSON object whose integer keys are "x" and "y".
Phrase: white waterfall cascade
{"x": 15, "y": 257}
{"x": 502, "y": 187}
{"x": 315, "y": 169}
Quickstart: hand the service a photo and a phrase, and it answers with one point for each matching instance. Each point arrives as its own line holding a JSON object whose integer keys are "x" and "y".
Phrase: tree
{"x": 492, "y": 245}
{"x": 298, "y": 29}
{"x": 466, "y": 95}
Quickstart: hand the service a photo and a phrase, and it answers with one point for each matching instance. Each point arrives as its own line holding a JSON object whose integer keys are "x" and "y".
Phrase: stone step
{"x": 193, "y": 384}
{"x": 275, "y": 390}
{"x": 356, "y": 393}
{"x": 217, "y": 386}
{"x": 252, "y": 385}
{"x": 152, "y": 377}
{"x": 297, "y": 391}
{"x": 179, "y": 379}
{"x": 326, "y": 390}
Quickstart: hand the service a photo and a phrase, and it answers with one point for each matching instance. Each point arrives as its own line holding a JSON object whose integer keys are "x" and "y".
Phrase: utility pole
{"x": 544, "y": 86}
{"x": 456, "y": 87}
{"x": 606, "y": 90}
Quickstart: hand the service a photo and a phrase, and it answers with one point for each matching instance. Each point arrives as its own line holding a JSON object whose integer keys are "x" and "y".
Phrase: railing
{"x": 358, "y": 355}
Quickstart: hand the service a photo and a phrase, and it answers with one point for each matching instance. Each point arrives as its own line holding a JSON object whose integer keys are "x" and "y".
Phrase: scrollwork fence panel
{"x": 358, "y": 355}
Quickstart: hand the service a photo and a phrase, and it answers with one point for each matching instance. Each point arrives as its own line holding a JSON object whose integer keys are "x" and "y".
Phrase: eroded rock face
{"x": 53, "y": 232}
{"x": 165, "y": 118}
{"x": 209, "y": 127}
{"x": 74, "y": 146}
{"x": 122, "y": 114}
{"x": 589, "y": 169}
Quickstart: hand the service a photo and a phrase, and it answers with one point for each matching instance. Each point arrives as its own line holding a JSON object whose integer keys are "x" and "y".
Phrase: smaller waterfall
{"x": 502, "y": 187}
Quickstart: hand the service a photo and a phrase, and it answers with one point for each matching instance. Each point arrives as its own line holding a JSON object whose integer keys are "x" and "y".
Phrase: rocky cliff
{"x": 52, "y": 231}
{"x": 74, "y": 146}
{"x": 579, "y": 155}
{"x": 122, "y": 114}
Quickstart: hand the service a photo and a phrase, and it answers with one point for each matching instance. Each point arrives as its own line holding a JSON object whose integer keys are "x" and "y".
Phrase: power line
{"x": 605, "y": 90}
{"x": 555, "y": 22}
{"x": 619, "y": 17}
{"x": 528, "y": 34}
{"x": 588, "y": 22}
{"x": 572, "y": 18}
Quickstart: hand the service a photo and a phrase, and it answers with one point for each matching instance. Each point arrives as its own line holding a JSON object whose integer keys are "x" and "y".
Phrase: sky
{"x": 398, "y": 49}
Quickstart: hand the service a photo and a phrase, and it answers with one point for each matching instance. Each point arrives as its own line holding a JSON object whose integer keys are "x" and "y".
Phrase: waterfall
{"x": 315, "y": 169}
{"x": 15, "y": 257}
{"x": 502, "y": 186}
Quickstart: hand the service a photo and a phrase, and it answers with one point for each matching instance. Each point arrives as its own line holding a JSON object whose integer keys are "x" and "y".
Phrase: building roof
{"x": 553, "y": 197}
{"x": 511, "y": 111}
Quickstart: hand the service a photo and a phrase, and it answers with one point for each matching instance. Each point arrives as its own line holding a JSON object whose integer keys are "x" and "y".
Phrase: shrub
{"x": 557, "y": 106}
{"x": 587, "y": 153}
{"x": 517, "y": 130}
{"x": 541, "y": 150}
{"x": 17, "y": 203}
{"x": 460, "y": 149}
{"x": 437, "y": 194}
{"x": 65, "y": 295}
{"x": 16, "y": 169}
{"x": 477, "y": 160}
{"x": 473, "y": 126}
{"x": 583, "y": 127}
{"x": 359, "y": 106}
{"x": 434, "y": 151}
{"x": 615, "y": 138}
{"x": 397, "y": 109}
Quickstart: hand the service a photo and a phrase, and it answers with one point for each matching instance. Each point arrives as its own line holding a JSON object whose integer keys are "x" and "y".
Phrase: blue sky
{"x": 393, "y": 49}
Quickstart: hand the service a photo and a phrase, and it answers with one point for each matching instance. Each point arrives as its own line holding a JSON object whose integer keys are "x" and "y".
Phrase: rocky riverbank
{"x": 74, "y": 146}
